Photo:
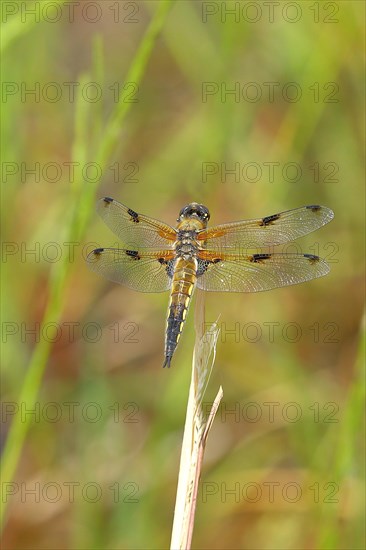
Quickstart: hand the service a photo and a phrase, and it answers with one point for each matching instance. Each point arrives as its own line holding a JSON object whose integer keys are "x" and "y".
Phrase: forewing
{"x": 270, "y": 230}
{"x": 135, "y": 230}
{"x": 143, "y": 271}
{"x": 258, "y": 272}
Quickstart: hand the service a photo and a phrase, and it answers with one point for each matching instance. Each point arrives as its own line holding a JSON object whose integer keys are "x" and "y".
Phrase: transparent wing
{"x": 258, "y": 272}
{"x": 270, "y": 230}
{"x": 143, "y": 271}
{"x": 135, "y": 230}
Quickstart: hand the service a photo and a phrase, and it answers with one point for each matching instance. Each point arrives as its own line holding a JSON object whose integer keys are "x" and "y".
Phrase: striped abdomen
{"x": 183, "y": 282}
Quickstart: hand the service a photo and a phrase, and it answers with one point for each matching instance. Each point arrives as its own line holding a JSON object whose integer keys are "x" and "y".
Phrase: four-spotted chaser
{"x": 158, "y": 257}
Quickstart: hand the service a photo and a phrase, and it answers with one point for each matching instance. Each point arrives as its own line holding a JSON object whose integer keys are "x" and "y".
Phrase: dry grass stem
{"x": 196, "y": 430}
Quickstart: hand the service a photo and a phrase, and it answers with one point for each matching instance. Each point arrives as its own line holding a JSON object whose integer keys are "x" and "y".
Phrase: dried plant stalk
{"x": 196, "y": 430}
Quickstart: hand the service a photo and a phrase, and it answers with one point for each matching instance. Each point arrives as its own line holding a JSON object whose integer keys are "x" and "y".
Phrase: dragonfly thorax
{"x": 186, "y": 244}
{"x": 186, "y": 250}
{"x": 187, "y": 236}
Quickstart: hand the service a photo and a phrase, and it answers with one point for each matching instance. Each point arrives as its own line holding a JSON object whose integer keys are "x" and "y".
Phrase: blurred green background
{"x": 132, "y": 100}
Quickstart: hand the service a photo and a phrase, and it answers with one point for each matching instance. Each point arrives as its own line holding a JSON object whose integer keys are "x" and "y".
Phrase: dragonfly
{"x": 157, "y": 257}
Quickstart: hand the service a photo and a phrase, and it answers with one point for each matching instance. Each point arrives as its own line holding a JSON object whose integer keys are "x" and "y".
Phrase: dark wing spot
{"x": 258, "y": 258}
{"x": 314, "y": 207}
{"x": 134, "y": 215}
{"x": 268, "y": 220}
{"x": 133, "y": 254}
{"x": 312, "y": 258}
{"x": 169, "y": 266}
{"x": 203, "y": 265}
{"x": 98, "y": 251}
{"x": 107, "y": 200}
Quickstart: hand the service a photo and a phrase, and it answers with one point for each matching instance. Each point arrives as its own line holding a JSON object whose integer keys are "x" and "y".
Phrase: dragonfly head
{"x": 194, "y": 210}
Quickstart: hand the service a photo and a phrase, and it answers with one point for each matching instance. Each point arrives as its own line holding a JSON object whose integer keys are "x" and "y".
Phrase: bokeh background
{"x": 132, "y": 100}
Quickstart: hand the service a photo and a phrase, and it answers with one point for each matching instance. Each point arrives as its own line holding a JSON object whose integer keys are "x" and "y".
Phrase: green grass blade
{"x": 16, "y": 27}
{"x": 82, "y": 202}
